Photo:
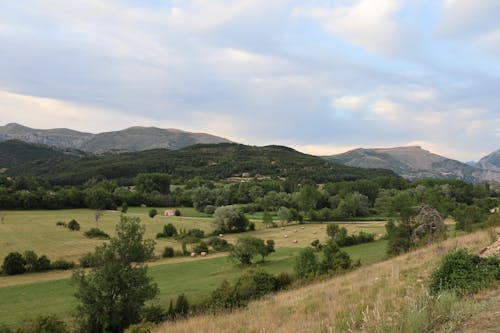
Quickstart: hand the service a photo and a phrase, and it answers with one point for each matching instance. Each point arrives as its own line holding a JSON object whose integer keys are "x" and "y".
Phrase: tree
{"x": 267, "y": 219}
{"x": 169, "y": 230}
{"x": 113, "y": 294}
{"x": 152, "y": 213}
{"x": 230, "y": 219}
{"x": 202, "y": 197}
{"x": 73, "y": 225}
{"x": 248, "y": 247}
{"x": 353, "y": 205}
{"x": 98, "y": 198}
{"x": 13, "y": 264}
{"x": 334, "y": 259}
{"x": 285, "y": 215}
{"x": 97, "y": 217}
{"x": 152, "y": 182}
{"x": 306, "y": 263}
{"x": 124, "y": 208}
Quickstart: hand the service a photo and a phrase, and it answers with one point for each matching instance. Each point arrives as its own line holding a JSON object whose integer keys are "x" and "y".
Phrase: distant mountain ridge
{"x": 414, "y": 163}
{"x": 127, "y": 140}
{"x": 491, "y": 161}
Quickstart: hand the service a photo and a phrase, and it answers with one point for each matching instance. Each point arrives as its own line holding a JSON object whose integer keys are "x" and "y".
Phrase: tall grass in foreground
{"x": 390, "y": 296}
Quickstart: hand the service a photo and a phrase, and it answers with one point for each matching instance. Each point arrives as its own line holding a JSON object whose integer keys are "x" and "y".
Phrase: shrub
{"x": 168, "y": 252}
{"x": 306, "y": 263}
{"x": 43, "y": 324}
{"x": 192, "y": 235}
{"x": 43, "y": 264}
{"x": 30, "y": 261}
{"x": 152, "y": 213}
{"x": 219, "y": 244}
{"x": 464, "y": 273}
{"x": 154, "y": 314}
{"x": 169, "y": 230}
{"x": 73, "y": 225}
{"x": 62, "y": 264}
{"x": 201, "y": 247}
{"x": 209, "y": 209}
{"x": 96, "y": 233}
{"x": 254, "y": 283}
{"x": 334, "y": 259}
{"x": 61, "y": 224}
{"x": 140, "y": 328}
{"x": 177, "y": 212}
{"x": 181, "y": 306}
{"x": 14, "y": 264}
{"x": 282, "y": 281}
{"x": 89, "y": 260}
{"x": 251, "y": 226}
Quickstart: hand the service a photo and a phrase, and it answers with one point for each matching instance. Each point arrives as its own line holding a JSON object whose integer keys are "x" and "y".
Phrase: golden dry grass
{"x": 370, "y": 299}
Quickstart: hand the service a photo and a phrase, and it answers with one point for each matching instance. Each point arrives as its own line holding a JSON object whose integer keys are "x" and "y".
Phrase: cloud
{"x": 366, "y": 23}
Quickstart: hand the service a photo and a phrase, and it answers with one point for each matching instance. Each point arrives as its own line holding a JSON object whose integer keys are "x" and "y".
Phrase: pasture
{"x": 36, "y": 230}
{"x": 28, "y": 295}
{"x": 194, "y": 277}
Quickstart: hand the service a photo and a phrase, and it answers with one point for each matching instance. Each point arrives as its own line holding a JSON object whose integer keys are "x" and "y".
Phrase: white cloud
{"x": 350, "y": 102}
{"x": 49, "y": 113}
{"x": 366, "y": 23}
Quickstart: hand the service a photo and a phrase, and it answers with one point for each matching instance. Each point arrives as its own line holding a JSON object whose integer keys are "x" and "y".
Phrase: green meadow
{"x": 25, "y": 296}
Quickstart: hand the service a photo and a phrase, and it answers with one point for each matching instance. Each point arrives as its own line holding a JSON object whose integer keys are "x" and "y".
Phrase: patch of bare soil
{"x": 493, "y": 249}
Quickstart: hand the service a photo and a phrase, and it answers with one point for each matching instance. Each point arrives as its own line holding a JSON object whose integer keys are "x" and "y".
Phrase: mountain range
{"x": 415, "y": 163}
{"x": 127, "y": 140}
{"x": 409, "y": 162}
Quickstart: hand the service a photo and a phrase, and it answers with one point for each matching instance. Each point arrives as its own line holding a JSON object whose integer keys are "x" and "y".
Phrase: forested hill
{"x": 210, "y": 161}
{"x": 14, "y": 153}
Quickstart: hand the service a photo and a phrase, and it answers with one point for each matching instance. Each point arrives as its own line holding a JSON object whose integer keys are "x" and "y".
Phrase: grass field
{"x": 37, "y": 230}
{"x": 196, "y": 278}
{"x": 24, "y": 296}
{"x": 390, "y": 296}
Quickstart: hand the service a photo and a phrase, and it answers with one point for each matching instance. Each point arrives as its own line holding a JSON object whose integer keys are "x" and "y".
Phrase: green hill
{"x": 210, "y": 161}
{"x": 14, "y": 153}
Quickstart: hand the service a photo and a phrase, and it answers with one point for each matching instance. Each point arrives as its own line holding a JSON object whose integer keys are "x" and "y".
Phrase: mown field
{"x": 36, "y": 230}
{"x": 27, "y": 295}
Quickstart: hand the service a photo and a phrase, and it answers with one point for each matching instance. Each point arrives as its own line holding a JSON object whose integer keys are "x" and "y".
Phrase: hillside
{"x": 414, "y": 163}
{"x": 58, "y": 137}
{"x": 145, "y": 138}
{"x": 389, "y": 296}
{"x": 127, "y": 140}
{"x": 491, "y": 161}
{"x": 213, "y": 161}
{"x": 14, "y": 153}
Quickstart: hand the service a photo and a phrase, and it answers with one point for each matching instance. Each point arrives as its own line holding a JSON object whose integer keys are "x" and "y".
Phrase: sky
{"x": 320, "y": 76}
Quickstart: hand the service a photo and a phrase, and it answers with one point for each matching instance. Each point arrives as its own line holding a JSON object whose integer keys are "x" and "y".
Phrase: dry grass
{"x": 375, "y": 298}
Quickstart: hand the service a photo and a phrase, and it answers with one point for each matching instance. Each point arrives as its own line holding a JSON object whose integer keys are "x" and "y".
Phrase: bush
{"x": 73, "y": 225}
{"x": 306, "y": 263}
{"x": 254, "y": 283}
{"x": 43, "y": 324}
{"x": 14, "y": 264}
{"x": 201, "y": 247}
{"x": 282, "y": 281}
{"x": 96, "y": 233}
{"x": 154, "y": 314}
{"x": 168, "y": 252}
{"x": 152, "y": 213}
{"x": 169, "y": 230}
{"x": 177, "y": 212}
{"x": 181, "y": 306}
{"x": 43, "y": 264}
{"x": 140, "y": 328}
{"x": 62, "y": 264}
{"x": 209, "y": 209}
{"x": 251, "y": 226}
{"x": 219, "y": 244}
{"x": 89, "y": 260}
{"x": 61, "y": 224}
{"x": 191, "y": 236}
{"x": 464, "y": 273}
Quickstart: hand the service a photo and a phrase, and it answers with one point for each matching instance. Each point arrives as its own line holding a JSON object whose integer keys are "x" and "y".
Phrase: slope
{"x": 414, "y": 163}
{"x": 14, "y": 153}
{"x": 491, "y": 161}
{"x": 388, "y": 296}
{"x": 212, "y": 161}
